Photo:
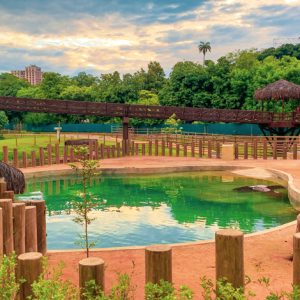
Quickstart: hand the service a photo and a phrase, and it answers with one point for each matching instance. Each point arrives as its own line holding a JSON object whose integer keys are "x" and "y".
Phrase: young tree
{"x": 86, "y": 202}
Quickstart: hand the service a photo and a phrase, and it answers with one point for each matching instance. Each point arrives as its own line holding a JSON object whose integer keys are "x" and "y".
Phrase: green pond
{"x": 153, "y": 209}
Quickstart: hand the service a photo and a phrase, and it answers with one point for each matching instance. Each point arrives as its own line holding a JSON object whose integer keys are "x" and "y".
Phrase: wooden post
{"x": 236, "y": 151}
{"x": 24, "y": 159}
{"x": 230, "y": 256}
{"x": 150, "y": 148}
{"x": 163, "y": 148}
{"x": 3, "y": 188}
{"x": 265, "y": 150}
{"x": 41, "y": 224}
{"x": 158, "y": 263}
{"x": 185, "y": 150}
{"x": 7, "y": 215}
{"x": 177, "y": 150}
{"x": 200, "y": 149}
{"x": 1, "y": 233}
{"x": 170, "y": 148}
{"x": 156, "y": 147}
{"x": 284, "y": 151}
{"x": 218, "y": 150}
{"x": 102, "y": 151}
{"x": 143, "y": 149}
{"x": 42, "y": 160}
{"x": 118, "y": 150}
{"x": 57, "y": 158}
{"x": 72, "y": 155}
{"x": 49, "y": 154}
{"x": 91, "y": 268}
{"x": 296, "y": 259}
{"x": 298, "y": 223}
{"x": 19, "y": 227}
{"x": 30, "y": 229}
{"x": 97, "y": 150}
{"x": 209, "y": 148}
{"x": 5, "y": 154}
{"x": 295, "y": 151}
{"x": 29, "y": 268}
{"x": 275, "y": 150}
{"x": 246, "y": 150}
{"x": 15, "y": 158}
{"x": 33, "y": 159}
{"x": 193, "y": 149}
{"x": 136, "y": 149}
{"x": 254, "y": 149}
{"x": 65, "y": 154}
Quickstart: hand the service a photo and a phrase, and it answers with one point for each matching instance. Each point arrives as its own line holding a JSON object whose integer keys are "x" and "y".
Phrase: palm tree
{"x": 203, "y": 48}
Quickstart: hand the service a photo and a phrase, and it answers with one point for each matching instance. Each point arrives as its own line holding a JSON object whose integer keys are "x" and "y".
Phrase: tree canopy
{"x": 229, "y": 82}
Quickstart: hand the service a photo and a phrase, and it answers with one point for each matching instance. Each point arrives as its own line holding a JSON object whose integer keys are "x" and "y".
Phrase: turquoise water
{"x": 151, "y": 209}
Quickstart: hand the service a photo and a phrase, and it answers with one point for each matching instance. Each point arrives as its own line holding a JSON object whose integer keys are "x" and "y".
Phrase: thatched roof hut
{"x": 279, "y": 90}
{"x": 14, "y": 178}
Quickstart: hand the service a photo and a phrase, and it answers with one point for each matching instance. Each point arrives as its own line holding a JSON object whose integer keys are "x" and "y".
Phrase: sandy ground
{"x": 267, "y": 254}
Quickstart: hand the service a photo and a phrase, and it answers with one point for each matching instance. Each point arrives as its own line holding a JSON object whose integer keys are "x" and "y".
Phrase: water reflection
{"x": 162, "y": 209}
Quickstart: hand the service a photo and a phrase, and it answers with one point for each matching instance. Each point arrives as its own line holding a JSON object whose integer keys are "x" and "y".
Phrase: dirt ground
{"x": 266, "y": 255}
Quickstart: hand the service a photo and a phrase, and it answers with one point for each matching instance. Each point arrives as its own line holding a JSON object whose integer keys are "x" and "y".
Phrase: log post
{"x": 170, "y": 148}
{"x": 275, "y": 150}
{"x": 15, "y": 158}
{"x": 65, "y": 160}
{"x": 24, "y": 159}
{"x": 230, "y": 256}
{"x": 57, "y": 158}
{"x": 295, "y": 151}
{"x": 163, "y": 148}
{"x": 19, "y": 227}
{"x": 33, "y": 159}
{"x": 200, "y": 149}
{"x": 246, "y": 150}
{"x": 158, "y": 263}
{"x": 298, "y": 223}
{"x": 29, "y": 268}
{"x": 91, "y": 268}
{"x": 1, "y": 234}
{"x": 143, "y": 149}
{"x": 136, "y": 149}
{"x": 30, "y": 229}
{"x": 177, "y": 150}
{"x": 41, "y": 224}
{"x": 185, "y": 150}
{"x": 150, "y": 148}
{"x": 72, "y": 155}
{"x": 156, "y": 147}
{"x": 3, "y": 188}
{"x": 5, "y": 154}
{"x": 209, "y": 149}
{"x": 7, "y": 216}
{"x": 49, "y": 154}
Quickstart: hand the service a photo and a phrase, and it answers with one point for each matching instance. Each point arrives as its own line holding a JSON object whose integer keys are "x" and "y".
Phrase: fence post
{"x": 29, "y": 268}
{"x": 230, "y": 256}
{"x": 236, "y": 150}
{"x": 163, "y": 148}
{"x": 254, "y": 149}
{"x": 156, "y": 147}
{"x": 170, "y": 148}
{"x": 24, "y": 159}
{"x": 218, "y": 150}
{"x": 65, "y": 155}
{"x": 19, "y": 227}
{"x": 15, "y": 158}
{"x": 200, "y": 148}
{"x": 185, "y": 150}
{"x": 209, "y": 149}
{"x": 30, "y": 229}
{"x": 57, "y": 158}
{"x": 91, "y": 268}
{"x": 5, "y": 154}
{"x": 150, "y": 148}
{"x": 143, "y": 149}
{"x": 284, "y": 151}
{"x": 7, "y": 215}
{"x": 177, "y": 150}
{"x": 275, "y": 150}
{"x": 158, "y": 263}
{"x": 41, "y": 224}
{"x": 49, "y": 154}
{"x": 41, "y": 156}
{"x": 136, "y": 149}
{"x": 265, "y": 150}
{"x": 72, "y": 155}
{"x": 246, "y": 150}
{"x": 118, "y": 150}
{"x": 33, "y": 159}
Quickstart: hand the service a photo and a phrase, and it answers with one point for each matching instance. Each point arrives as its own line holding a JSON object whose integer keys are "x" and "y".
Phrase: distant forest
{"x": 227, "y": 83}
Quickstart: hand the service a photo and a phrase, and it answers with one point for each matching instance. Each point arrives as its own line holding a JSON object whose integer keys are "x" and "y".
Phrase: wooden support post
{"x": 102, "y": 151}
{"x": 123, "y": 148}
{"x": 97, "y": 150}
{"x": 42, "y": 160}
{"x": 265, "y": 150}
{"x": 113, "y": 151}
{"x": 19, "y": 227}
{"x": 284, "y": 151}
{"x": 108, "y": 151}
{"x": 158, "y": 263}
{"x": 125, "y": 133}
{"x": 3, "y": 188}
{"x": 295, "y": 151}
{"x": 72, "y": 155}
{"x": 5, "y": 154}
{"x": 275, "y": 150}
{"x": 132, "y": 148}
{"x": 209, "y": 148}
{"x": 163, "y": 148}
{"x": 170, "y": 148}
{"x": 1, "y": 234}
{"x": 136, "y": 149}
{"x": 9, "y": 195}
{"x": 230, "y": 256}
{"x": 29, "y": 268}
{"x": 41, "y": 224}
{"x": 177, "y": 150}
{"x": 236, "y": 151}
{"x": 91, "y": 269}
{"x": 33, "y": 159}
{"x": 7, "y": 215}
{"x": 254, "y": 149}
{"x": 143, "y": 149}
{"x": 246, "y": 150}
{"x": 156, "y": 147}
{"x": 15, "y": 158}
{"x": 65, "y": 154}
{"x": 118, "y": 150}
{"x": 57, "y": 158}
{"x": 218, "y": 150}
{"x": 185, "y": 150}
{"x": 200, "y": 149}
{"x": 30, "y": 229}
{"x": 49, "y": 154}
{"x": 193, "y": 149}
{"x": 296, "y": 259}
{"x": 150, "y": 148}
{"x": 24, "y": 159}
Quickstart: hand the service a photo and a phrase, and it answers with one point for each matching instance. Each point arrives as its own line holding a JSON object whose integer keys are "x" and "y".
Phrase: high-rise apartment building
{"x": 32, "y": 74}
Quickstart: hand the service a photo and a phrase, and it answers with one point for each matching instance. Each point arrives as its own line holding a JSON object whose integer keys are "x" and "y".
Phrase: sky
{"x": 101, "y": 36}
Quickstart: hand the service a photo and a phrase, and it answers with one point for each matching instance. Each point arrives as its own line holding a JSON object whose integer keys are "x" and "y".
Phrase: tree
{"x": 203, "y": 48}
{"x": 10, "y": 85}
{"x": 3, "y": 120}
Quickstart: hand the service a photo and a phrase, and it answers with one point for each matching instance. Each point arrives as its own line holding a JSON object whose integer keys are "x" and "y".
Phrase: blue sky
{"x": 97, "y": 36}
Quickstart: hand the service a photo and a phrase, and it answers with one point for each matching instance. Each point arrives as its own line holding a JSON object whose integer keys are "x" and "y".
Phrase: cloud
{"x": 103, "y": 36}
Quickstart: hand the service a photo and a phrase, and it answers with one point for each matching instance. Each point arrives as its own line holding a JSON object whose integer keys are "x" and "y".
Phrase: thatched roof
{"x": 279, "y": 90}
{"x": 14, "y": 178}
